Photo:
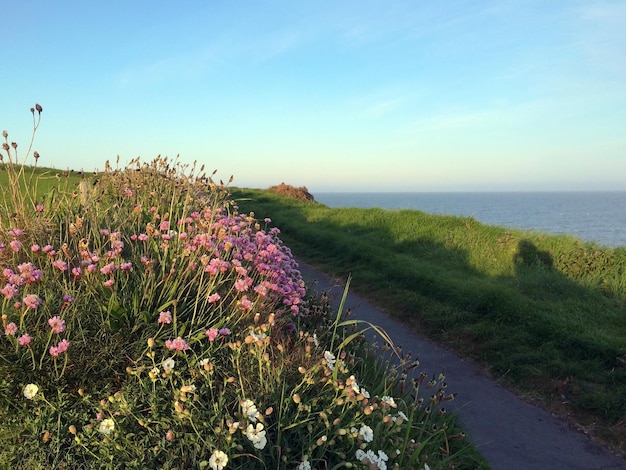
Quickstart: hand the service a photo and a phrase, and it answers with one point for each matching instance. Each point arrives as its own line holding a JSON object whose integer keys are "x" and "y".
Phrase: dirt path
{"x": 510, "y": 433}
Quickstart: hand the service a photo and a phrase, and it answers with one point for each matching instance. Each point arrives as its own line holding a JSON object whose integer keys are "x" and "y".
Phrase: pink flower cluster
{"x": 60, "y": 348}
{"x": 213, "y": 333}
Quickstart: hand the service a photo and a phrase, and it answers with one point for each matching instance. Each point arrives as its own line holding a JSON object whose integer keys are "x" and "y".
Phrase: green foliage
{"x": 147, "y": 323}
{"x": 547, "y": 314}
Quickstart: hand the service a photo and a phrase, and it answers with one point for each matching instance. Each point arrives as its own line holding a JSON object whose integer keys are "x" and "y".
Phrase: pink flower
{"x": 241, "y": 285}
{"x": 57, "y": 324}
{"x": 244, "y": 304}
{"x": 24, "y": 340}
{"x": 177, "y": 344}
{"x": 126, "y": 266}
{"x": 39, "y": 208}
{"x": 165, "y": 225}
{"x": 32, "y": 301}
{"x": 142, "y": 237}
{"x": 15, "y": 245}
{"x": 212, "y": 334}
{"x": 109, "y": 283}
{"x": 35, "y": 248}
{"x": 63, "y": 346}
{"x": 59, "y": 348}
{"x": 108, "y": 269}
{"x": 224, "y": 331}
{"x": 60, "y": 265}
{"x": 214, "y": 298}
{"x": 128, "y": 192}
{"x": 10, "y": 329}
{"x": 165, "y": 317}
{"x": 16, "y": 232}
{"x": 9, "y": 291}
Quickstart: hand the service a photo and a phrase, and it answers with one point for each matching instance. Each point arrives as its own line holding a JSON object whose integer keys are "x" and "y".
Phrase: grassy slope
{"x": 546, "y": 314}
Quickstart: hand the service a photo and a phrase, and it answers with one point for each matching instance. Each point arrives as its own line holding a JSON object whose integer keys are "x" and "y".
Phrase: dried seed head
{"x": 5, "y": 134}
{"x": 38, "y": 108}
{"x": 32, "y": 110}
{"x": 5, "y": 146}
{"x": 36, "y": 155}
{"x": 14, "y": 145}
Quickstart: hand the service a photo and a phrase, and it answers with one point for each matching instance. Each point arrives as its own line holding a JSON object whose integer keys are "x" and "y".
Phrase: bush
{"x": 148, "y": 324}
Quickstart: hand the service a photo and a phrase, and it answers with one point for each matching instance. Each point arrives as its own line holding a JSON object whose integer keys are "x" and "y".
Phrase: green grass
{"x": 138, "y": 330}
{"x": 545, "y": 314}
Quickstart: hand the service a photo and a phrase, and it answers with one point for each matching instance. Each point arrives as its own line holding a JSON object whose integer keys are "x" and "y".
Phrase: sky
{"x": 420, "y": 95}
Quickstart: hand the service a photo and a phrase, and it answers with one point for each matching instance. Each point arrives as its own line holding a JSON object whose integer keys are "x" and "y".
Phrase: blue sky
{"x": 347, "y": 95}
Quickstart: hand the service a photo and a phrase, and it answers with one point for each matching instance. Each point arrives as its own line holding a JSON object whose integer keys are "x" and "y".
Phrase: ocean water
{"x": 591, "y": 216}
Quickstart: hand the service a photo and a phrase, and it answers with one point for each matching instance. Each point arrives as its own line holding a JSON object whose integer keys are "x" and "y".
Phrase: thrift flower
{"x": 30, "y": 391}
{"x": 32, "y": 301}
{"x": 10, "y": 329}
{"x": 212, "y": 334}
{"x": 165, "y": 317}
{"x": 218, "y": 460}
{"x": 24, "y": 340}
{"x": 213, "y": 298}
{"x": 177, "y": 344}
{"x": 56, "y": 324}
{"x": 106, "y": 426}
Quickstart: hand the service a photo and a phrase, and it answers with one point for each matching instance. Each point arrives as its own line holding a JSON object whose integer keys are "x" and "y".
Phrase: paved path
{"x": 510, "y": 433}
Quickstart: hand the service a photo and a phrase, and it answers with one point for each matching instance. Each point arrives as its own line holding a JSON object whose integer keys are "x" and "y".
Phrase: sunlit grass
{"x": 546, "y": 314}
{"x": 149, "y": 323}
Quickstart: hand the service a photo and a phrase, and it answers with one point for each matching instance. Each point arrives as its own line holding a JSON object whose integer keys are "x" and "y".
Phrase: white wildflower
{"x": 218, "y": 460}
{"x": 330, "y": 359}
{"x": 256, "y": 434}
{"x": 30, "y": 391}
{"x": 305, "y": 464}
{"x": 106, "y": 426}
{"x": 387, "y": 400}
{"x": 249, "y": 409}
{"x": 168, "y": 364}
{"x": 366, "y": 433}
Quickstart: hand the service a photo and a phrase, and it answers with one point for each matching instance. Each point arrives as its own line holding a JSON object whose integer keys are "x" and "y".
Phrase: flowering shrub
{"x": 156, "y": 327}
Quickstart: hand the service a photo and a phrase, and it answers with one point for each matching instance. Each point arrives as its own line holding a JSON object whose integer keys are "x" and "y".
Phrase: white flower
{"x": 168, "y": 364}
{"x": 315, "y": 340}
{"x": 256, "y": 435}
{"x": 330, "y": 359}
{"x": 365, "y": 393}
{"x": 360, "y": 455}
{"x": 249, "y": 409}
{"x": 305, "y": 464}
{"x": 218, "y": 460}
{"x": 366, "y": 433}
{"x": 106, "y": 426}
{"x": 387, "y": 400}
{"x": 30, "y": 391}
{"x": 203, "y": 362}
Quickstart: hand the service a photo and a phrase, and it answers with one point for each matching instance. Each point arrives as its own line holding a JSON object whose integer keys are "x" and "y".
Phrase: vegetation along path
{"x": 510, "y": 433}
{"x": 543, "y": 315}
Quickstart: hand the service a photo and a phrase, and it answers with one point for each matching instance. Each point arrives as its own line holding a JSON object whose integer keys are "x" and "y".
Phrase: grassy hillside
{"x": 545, "y": 314}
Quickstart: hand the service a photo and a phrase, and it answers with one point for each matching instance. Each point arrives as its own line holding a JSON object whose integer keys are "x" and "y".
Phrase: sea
{"x": 594, "y": 216}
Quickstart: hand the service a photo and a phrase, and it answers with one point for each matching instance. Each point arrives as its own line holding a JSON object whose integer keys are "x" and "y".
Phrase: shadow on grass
{"x": 534, "y": 328}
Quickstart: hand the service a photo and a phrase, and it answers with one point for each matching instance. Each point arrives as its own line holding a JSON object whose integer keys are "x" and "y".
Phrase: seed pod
{"x": 38, "y": 108}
